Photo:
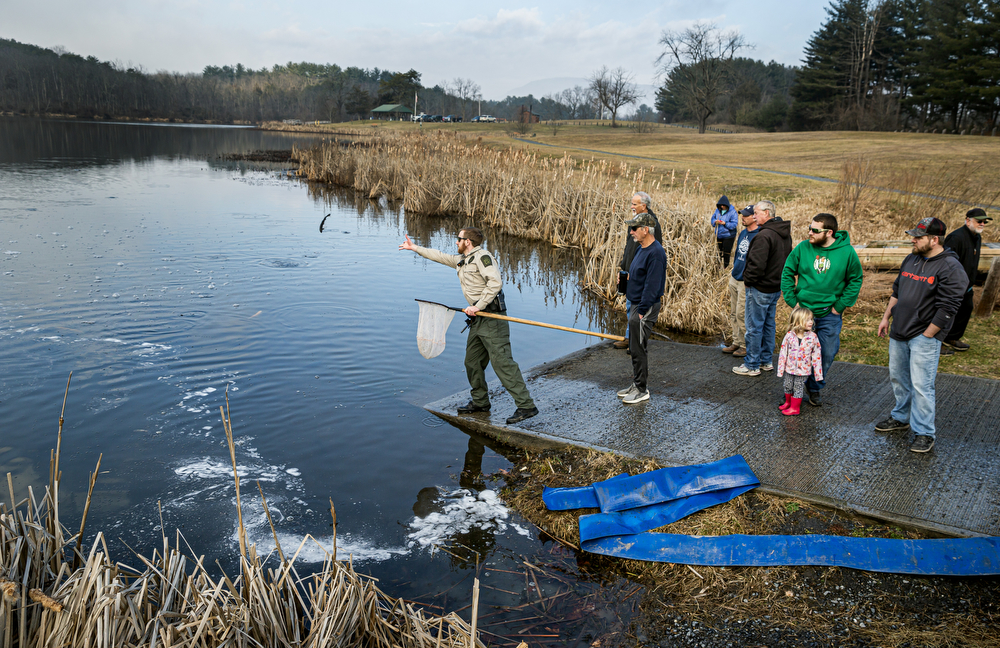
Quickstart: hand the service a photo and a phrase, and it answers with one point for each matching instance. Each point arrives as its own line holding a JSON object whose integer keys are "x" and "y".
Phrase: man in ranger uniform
{"x": 823, "y": 274}
{"x": 489, "y": 339}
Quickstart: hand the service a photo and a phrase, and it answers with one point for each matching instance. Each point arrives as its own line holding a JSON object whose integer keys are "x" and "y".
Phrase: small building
{"x": 526, "y": 116}
{"x": 391, "y": 112}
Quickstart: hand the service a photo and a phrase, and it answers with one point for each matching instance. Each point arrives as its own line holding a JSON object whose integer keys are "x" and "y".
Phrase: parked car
{"x": 474, "y": 119}
{"x": 487, "y": 118}
{"x": 420, "y": 117}
{"x": 452, "y": 119}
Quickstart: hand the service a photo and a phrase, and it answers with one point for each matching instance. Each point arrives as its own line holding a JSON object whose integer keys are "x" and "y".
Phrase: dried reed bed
{"x": 563, "y": 201}
{"x": 54, "y": 594}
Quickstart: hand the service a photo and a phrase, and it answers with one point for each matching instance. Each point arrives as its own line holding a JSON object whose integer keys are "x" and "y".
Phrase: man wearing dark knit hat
{"x": 966, "y": 242}
{"x": 925, "y": 297}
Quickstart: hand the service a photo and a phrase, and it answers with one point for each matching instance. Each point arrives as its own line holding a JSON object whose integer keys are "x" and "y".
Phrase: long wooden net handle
{"x": 551, "y": 326}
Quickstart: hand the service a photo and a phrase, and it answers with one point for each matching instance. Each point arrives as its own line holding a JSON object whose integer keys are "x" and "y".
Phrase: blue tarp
{"x": 631, "y": 506}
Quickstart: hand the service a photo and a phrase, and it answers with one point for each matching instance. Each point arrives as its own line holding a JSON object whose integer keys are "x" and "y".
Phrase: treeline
{"x": 902, "y": 64}
{"x": 37, "y": 80}
{"x": 755, "y": 94}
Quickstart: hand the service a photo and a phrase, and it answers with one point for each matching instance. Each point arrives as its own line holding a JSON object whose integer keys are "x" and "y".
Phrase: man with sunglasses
{"x": 646, "y": 279}
{"x": 489, "y": 339}
{"x": 925, "y": 297}
{"x": 823, "y": 273}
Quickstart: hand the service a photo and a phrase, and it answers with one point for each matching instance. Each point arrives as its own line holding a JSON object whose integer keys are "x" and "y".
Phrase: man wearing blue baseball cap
{"x": 925, "y": 297}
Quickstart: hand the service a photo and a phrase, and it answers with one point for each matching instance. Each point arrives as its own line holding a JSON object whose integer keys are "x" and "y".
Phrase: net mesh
{"x": 432, "y": 328}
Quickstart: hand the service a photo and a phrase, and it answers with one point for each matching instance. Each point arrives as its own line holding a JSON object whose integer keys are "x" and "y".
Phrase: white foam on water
{"x": 52, "y": 337}
{"x": 316, "y": 550}
{"x": 294, "y": 472}
{"x": 27, "y": 330}
{"x": 462, "y": 511}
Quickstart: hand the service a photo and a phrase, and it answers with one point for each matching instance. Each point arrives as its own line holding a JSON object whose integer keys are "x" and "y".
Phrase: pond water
{"x": 163, "y": 277}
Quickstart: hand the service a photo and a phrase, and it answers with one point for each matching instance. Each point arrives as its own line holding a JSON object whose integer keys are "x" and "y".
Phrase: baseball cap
{"x": 748, "y": 211}
{"x": 979, "y": 214}
{"x": 929, "y": 226}
{"x": 644, "y": 219}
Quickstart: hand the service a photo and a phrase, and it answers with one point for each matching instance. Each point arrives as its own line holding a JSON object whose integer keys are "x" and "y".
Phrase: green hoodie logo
{"x": 821, "y": 264}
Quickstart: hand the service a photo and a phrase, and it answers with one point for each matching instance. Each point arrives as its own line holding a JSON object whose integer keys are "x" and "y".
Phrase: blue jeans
{"x": 913, "y": 369}
{"x": 827, "y": 329}
{"x": 759, "y": 320}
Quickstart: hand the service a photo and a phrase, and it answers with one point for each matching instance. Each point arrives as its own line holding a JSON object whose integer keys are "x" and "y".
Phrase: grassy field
{"x": 959, "y": 167}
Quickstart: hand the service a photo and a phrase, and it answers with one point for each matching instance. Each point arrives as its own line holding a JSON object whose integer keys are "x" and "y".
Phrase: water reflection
{"x": 74, "y": 144}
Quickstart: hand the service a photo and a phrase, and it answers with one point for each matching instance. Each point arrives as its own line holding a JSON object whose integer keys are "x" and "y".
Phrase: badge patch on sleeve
{"x": 486, "y": 261}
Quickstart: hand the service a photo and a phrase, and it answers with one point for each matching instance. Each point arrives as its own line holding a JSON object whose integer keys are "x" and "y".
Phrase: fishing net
{"x": 432, "y": 327}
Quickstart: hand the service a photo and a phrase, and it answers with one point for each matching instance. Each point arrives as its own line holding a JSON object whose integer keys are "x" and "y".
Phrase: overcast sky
{"x": 499, "y": 48}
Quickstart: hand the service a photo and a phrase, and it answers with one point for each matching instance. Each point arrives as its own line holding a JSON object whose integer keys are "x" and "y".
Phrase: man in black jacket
{"x": 641, "y": 204}
{"x": 925, "y": 298}
{"x": 966, "y": 242}
{"x": 762, "y": 278}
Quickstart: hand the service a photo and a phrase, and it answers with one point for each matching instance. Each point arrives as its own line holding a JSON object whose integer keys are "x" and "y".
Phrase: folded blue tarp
{"x": 664, "y": 496}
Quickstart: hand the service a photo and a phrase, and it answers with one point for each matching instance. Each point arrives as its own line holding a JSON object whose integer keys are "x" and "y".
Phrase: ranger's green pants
{"x": 489, "y": 342}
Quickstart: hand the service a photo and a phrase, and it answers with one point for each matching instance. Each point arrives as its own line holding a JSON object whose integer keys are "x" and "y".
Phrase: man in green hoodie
{"x": 823, "y": 274}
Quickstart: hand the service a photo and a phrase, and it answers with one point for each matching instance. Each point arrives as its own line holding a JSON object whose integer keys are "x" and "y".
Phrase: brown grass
{"x": 571, "y": 199}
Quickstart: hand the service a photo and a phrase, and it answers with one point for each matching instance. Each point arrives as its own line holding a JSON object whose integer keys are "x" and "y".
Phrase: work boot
{"x": 815, "y": 399}
{"x": 521, "y": 414}
{"x": 731, "y": 348}
{"x": 794, "y": 407}
{"x": 620, "y": 344}
{"x": 788, "y": 401}
{"x": 958, "y": 345}
{"x": 740, "y": 353}
{"x": 472, "y": 408}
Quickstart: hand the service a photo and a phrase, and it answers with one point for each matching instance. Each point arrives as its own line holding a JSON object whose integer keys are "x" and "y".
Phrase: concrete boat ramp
{"x": 701, "y": 411}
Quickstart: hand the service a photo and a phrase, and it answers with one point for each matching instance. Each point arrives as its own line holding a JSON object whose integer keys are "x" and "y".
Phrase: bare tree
{"x": 697, "y": 60}
{"x": 467, "y": 91}
{"x": 578, "y": 101}
{"x": 614, "y": 89}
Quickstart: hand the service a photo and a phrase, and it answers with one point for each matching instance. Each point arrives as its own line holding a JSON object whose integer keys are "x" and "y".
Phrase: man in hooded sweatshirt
{"x": 823, "y": 274}
{"x": 726, "y": 223}
{"x": 925, "y": 298}
{"x": 762, "y": 279}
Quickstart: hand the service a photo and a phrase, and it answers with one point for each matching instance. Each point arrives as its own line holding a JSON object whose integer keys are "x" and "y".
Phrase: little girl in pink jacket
{"x": 800, "y": 356}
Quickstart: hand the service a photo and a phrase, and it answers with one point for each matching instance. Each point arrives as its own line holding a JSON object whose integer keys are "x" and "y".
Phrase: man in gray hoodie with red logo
{"x": 925, "y": 297}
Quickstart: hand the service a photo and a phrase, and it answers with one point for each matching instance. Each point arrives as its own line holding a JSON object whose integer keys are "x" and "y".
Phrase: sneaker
{"x": 815, "y": 399}
{"x": 743, "y": 370}
{"x": 958, "y": 345}
{"x": 922, "y": 443}
{"x": 636, "y": 397}
{"x": 947, "y": 350}
{"x": 731, "y": 348}
{"x": 521, "y": 414}
{"x": 767, "y": 367}
{"x": 891, "y": 425}
{"x": 622, "y": 393}
{"x": 740, "y": 353}
{"x": 620, "y": 344}
{"x": 472, "y": 408}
